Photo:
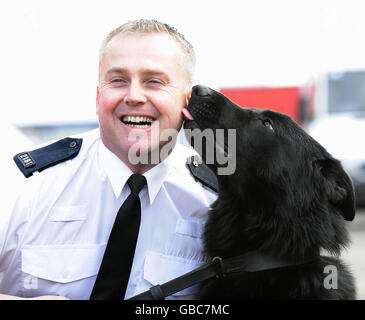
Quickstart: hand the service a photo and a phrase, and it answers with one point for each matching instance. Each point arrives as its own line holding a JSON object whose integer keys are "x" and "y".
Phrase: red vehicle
{"x": 293, "y": 101}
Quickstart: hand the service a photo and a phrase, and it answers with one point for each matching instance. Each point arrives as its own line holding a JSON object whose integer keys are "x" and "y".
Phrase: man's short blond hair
{"x": 145, "y": 26}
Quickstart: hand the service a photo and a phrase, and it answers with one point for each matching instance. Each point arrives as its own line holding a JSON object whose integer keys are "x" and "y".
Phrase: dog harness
{"x": 253, "y": 261}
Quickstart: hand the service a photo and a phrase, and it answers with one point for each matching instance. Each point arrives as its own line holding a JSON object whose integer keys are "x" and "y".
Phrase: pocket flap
{"x": 71, "y": 213}
{"x": 160, "y": 268}
{"x": 62, "y": 263}
{"x": 190, "y": 228}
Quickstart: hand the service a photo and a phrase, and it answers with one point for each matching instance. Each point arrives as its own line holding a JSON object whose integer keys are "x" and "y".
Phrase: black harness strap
{"x": 254, "y": 261}
{"x": 159, "y": 292}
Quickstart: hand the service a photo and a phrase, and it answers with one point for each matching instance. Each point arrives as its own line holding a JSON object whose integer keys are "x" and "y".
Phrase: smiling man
{"x": 144, "y": 84}
{"x": 56, "y": 241}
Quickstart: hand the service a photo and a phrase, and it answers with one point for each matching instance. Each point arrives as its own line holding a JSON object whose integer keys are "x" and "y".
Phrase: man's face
{"x": 143, "y": 87}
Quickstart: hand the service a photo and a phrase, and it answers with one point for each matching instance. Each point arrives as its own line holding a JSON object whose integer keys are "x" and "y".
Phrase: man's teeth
{"x": 137, "y": 121}
{"x": 138, "y": 125}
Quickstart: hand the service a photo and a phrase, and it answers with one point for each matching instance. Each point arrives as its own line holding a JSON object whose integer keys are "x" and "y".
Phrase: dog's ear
{"x": 337, "y": 186}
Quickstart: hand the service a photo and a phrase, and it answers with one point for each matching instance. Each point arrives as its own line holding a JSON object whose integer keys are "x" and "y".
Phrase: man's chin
{"x": 145, "y": 154}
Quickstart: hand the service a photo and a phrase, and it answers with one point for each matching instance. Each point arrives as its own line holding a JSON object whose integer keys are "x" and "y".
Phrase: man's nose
{"x": 135, "y": 94}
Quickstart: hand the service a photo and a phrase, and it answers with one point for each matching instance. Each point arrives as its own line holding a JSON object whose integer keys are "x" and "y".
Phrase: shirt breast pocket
{"x": 56, "y": 266}
{"x": 160, "y": 268}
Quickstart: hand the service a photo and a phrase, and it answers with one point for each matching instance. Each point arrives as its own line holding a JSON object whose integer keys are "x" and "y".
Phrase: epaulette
{"x": 45, "y": 157}
{"x": 202, "y": 173}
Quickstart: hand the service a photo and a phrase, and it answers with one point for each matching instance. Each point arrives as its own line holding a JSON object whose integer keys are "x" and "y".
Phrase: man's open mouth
{"x": 141, "y": 122}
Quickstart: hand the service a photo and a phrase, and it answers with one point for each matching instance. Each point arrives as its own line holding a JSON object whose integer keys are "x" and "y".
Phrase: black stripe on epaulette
{"x": 202, "y": 173}
{"x": 43, "y": 158}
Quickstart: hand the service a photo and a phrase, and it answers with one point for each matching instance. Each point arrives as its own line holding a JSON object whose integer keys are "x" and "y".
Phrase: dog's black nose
{"x": 201, "y": 91}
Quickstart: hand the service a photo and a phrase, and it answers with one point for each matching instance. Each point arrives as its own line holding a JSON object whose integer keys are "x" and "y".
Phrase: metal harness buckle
{"x": 222, "y": 269}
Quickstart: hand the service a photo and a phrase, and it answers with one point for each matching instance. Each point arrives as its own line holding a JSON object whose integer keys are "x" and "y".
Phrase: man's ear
{"x": 337, "y": 186}
{"x": 188, "y": 97}
{"x": 97, "y": 99}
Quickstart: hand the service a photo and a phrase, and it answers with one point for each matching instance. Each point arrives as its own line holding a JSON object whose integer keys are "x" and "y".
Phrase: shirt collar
{"x": 118, "y": 172}
{"x": 157, "y": 175}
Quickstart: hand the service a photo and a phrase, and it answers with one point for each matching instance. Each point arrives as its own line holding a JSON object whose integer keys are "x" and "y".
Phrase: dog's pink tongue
{"x": 187, "y": 114}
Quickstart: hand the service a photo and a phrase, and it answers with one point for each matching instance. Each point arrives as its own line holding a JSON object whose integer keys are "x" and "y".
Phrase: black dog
{"x": 285, "y": 202}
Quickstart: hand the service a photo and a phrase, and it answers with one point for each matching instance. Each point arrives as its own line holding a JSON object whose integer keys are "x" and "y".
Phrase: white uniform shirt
{"x": 56, "y": 237}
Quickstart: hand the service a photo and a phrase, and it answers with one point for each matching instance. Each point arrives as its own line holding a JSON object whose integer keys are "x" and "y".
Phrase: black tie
{"x": 115, "y": 268}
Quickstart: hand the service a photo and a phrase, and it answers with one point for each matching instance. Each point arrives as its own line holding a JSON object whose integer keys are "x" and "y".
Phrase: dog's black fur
{"x": 288, "y": 197}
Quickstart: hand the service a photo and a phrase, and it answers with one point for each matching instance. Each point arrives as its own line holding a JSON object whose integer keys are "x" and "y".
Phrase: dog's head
{"x": 273, "y": 156}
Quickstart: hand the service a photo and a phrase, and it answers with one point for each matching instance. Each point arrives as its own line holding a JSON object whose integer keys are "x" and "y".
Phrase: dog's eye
{"x": 267, "y": 124}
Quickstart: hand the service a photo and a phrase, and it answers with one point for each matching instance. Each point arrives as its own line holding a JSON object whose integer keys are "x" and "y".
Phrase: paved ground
{"x": 355, "y": 256}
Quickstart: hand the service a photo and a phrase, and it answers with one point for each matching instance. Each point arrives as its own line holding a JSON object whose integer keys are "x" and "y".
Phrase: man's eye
{"x": 118, "y": 81}
{"x": 154, "y": 81}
